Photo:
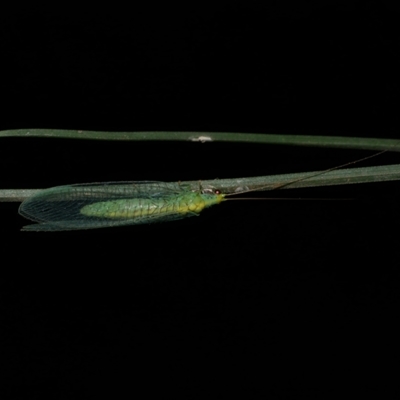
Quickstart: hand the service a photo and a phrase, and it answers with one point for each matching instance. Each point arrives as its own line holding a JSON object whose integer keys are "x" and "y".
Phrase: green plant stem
{"x": 205, "y": 137}
{"x": 270, "y": 182}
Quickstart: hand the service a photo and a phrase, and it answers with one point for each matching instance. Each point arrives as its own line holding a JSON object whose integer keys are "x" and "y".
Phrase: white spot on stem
{"x": 201, "y": 139}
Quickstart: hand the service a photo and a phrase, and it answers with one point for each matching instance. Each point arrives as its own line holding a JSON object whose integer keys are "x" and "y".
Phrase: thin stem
{"x": 270, "y": 182}
{"x": 205, "y": 137}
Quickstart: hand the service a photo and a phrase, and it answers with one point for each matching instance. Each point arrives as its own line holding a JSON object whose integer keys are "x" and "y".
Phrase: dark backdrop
{"x": 281, "y": 284}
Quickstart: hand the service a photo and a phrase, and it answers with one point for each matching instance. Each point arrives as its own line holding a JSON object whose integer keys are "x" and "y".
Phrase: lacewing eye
{"x": 211, "y": 191}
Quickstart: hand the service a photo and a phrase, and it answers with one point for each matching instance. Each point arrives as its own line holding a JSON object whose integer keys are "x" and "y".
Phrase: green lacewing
{"x": 108, "y": 204}
{"x": 101, "y": 205}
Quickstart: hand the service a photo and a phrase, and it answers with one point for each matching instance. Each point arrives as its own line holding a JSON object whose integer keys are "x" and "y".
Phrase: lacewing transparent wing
{"x": 100, "y": 205}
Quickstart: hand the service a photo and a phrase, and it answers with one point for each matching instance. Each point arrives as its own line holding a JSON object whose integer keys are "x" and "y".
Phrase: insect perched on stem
{"x": 101, "y": 205}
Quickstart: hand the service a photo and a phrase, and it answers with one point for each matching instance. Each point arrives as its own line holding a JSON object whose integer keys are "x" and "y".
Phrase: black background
{"x": 299, "y": 287}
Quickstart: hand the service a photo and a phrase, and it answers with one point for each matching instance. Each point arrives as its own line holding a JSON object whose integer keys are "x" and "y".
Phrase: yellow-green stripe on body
{"x": 190, "y": 202}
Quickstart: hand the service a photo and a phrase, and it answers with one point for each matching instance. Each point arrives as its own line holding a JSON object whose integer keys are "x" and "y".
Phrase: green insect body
{"x": 186, "y": 203}
{"x": 89, "y": 206}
